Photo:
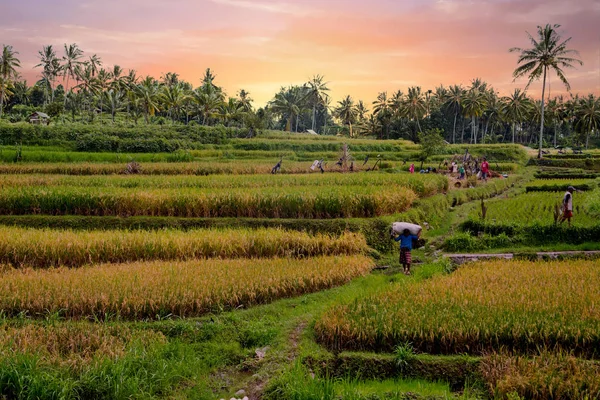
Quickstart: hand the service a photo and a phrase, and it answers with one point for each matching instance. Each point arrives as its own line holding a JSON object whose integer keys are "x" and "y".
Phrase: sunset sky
{"x": 361, "y": 47}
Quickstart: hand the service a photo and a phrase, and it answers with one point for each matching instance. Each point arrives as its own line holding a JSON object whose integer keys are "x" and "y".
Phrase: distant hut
{"x": 38, "y": 118}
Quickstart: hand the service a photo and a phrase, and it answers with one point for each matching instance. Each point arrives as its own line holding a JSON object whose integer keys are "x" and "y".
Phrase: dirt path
{"x": 257, "y": 386}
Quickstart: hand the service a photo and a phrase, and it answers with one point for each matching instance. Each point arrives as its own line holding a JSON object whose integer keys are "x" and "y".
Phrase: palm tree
{"x": 21, "y": 92}
{"x": 103, "y": 82}
{"x": 547, "y": 53}
{"x": 173, "y": 97}
{"x": 50, "y": 69}
{"x": 8, "y": 71}
{"x": 415, "y": 105}
{"x": 115, "y": 100}
{"x": 170, "y": 79}
{"x": 516, "y": 108}
{"x": 346, "y": 112}
{"x": 230, "y": 110}
{"x": 453, "y": 101}
{"x": 88, "y": 86}
{"x": 245, "y": 100}
{"x": 588, "y": 116}
{"x": 94, "y": 63}
{"x": 71, "y": 60}
{"x": 316, "y": 95}
{"x": 474, "y": 105}
{"x": 382, "y": 110}
{"x": 208, "y": 99}
{"x": 287, "y": 105}
{"x": 147, "y": 92}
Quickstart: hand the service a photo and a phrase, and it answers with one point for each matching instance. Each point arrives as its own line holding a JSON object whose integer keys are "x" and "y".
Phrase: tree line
{"x": 76, "y": 88}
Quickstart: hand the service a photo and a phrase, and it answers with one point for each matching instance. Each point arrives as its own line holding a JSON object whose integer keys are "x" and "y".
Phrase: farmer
{"x": 567, "y": 204}
{"x": 411, "y": 169}
{"x": 406, "y": 240}
{"x": 461, "y": 171}
{"x": 485, "y": 169}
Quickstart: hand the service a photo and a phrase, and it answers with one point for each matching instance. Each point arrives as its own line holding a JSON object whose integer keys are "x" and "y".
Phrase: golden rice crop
{"x": 75, "y": 343}
{"x": 423, "y": 185}
{"x": 154, "y": 289}
{"x": 546, "y": 376}
{"x": 299, "y": 202}
{"x": 42, "y": 248}
{"x": 234, "y": 167}
{"x": 517, "y": 305}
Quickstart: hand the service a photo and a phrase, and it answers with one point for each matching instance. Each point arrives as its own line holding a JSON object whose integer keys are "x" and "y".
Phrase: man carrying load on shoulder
{"x": 406, "y": 241}
{"x": 567, "y": 205}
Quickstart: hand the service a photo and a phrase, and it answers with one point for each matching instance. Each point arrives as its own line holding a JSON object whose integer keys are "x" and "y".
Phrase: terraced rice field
{"x": 517, "y": 306}
{"x": 148, "y": 290}
{"x": 538, "y": 207}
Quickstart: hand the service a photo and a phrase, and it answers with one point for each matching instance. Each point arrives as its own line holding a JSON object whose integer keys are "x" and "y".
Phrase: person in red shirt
{"x": 485, "y": 169}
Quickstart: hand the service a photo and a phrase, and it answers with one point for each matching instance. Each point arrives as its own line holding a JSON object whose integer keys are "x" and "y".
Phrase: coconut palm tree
{"x": 286, "y": 104}
{"x": 208, "y": 98}
{"x": 588, "y": 116}
{"x": 362, "y": 111}
{"x": 473, "y": 105}
{"x": 453, "y": 102}
{"x": 245, "y": 100}
{"x": 173, "y": 97}
{"x": 8, "y": 72}
{"x": 346, "y": 112}
{"x": 94, "y": 63}
{"x": 103, "y": 83}
{"x": 548, "y": 53}
{"x": 230, "y": 110}
{"x": 50, "y": 69}
{"x": 516, "y": 108}
{"x": 382, "y": 109}
{"x": 115, "y": 100}
{"x": 147, "y": 91}
{"x": 415, "y": 105}
{"x": 70, "y": 62}
{"x": 316, "y": 95}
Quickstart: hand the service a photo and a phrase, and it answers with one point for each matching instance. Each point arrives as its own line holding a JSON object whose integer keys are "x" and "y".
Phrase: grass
{"x": 538, "y": 207}
{"x": 516, "y": 305}
{"x": 298, "y": 384}
{"x": 44, "y": 248}
{"x": 150, "y": 290}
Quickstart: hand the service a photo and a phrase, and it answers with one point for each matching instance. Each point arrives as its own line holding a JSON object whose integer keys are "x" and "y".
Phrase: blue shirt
{"x": 406, "y": 241}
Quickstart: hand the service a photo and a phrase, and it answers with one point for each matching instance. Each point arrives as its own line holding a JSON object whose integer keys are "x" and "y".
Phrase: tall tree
{"x": 415, "y": 105}
{"x": 94, "y": 63}
{"x": 548, "y": 53}
{"x": 287, "y": 104}
{"x": 588, "y": 116}
{"x": 50, "y": 69}
{"x": 347, "y": 113}
{"x": 147, "y": 91}
{"x": 453, "y": 102}
{"x": 70, "y": 62}
{"x": 8, "y": 72}
{"x": 474, "y": 105}
{"x": 245, "y": 100}
{"x": 515, "y": 108}
{"x": 381, "y": 109}
{"x": 316, "y": 95}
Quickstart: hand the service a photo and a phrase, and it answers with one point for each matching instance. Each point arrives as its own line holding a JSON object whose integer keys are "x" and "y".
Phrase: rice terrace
{"x": 164, "y": 239}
